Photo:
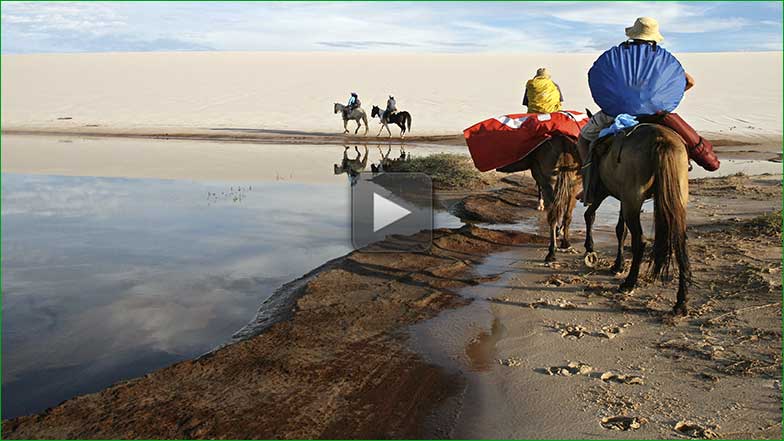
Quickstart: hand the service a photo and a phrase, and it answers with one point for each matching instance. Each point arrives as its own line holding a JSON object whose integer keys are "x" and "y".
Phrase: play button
{"x": 392, "y": 212}
{"x": 386, "y": 212}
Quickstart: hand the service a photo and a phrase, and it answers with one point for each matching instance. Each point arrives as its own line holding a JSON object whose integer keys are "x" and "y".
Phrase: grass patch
{"x": 449, "y": 171}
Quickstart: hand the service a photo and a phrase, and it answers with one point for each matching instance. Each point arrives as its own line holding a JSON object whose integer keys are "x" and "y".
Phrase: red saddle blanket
{"x": 500, "y": 141}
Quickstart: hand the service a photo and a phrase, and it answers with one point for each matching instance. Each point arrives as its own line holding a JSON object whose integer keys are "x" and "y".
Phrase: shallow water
{"x": 108, "y": 278}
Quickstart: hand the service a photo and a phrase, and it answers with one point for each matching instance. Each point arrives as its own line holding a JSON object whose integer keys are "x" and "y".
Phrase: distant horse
{"x": 648, "y": 161}
{"x": 554, "y": 166}
{"x": 400, "y": 118}
{"x": 355, "y": 115}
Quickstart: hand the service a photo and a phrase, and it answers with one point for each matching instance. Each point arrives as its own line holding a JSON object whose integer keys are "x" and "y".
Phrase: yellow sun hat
{"x": 645, "y": 28}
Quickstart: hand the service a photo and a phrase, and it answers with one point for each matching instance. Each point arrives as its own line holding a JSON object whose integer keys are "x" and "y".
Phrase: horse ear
{"x": 588, "y": 112}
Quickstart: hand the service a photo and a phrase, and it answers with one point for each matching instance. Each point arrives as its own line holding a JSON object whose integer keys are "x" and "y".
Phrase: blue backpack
{"x": 638, "y": 79}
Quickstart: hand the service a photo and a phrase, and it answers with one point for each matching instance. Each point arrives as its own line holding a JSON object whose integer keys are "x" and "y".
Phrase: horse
{"x": 554, "y": 166}
{"x": 648, "y": 161}
{"x": 355, "y": 115}
{"x": 400, "y": 118}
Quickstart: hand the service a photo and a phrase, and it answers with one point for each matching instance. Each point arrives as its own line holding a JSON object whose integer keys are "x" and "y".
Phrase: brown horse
{"x": 648, "y": 161}
{"x": 554, "y": 166}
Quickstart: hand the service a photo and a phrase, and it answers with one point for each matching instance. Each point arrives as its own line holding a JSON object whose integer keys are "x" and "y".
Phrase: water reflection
{"x": 352, "y": 167}
{"x": 108, "y": 278}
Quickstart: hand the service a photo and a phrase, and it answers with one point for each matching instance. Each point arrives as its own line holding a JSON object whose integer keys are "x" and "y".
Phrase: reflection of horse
{"x": 355, "y": 115}
{"x": 400, "y": 118}
{"x": 554, "y": 165}
{"x": 648, "y": 161}
{"x": 352, "y": 167}
{"x": 389, "y": 165}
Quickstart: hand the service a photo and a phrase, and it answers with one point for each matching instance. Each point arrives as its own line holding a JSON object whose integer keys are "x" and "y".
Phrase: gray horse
{"x": 356, "y": 115}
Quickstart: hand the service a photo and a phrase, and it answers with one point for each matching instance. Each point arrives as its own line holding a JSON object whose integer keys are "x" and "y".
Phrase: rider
{"x": 542, "y": 95}
{"x": 391, "y": 106}
{"x": 644, "y": 31}
{"x": 353, "y": 103}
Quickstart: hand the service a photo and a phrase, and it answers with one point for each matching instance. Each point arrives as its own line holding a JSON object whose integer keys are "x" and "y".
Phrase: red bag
{"x": 498, "y": 142}
{"x": 699, "y": 148}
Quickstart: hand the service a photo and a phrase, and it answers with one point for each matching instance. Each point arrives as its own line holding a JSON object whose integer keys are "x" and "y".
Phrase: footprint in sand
{"x": 623, "y": 423}
{"x": 695, "y": 430}
{"x": 572, "y": 368}
{"x": 611, "y": 331}
{"x": 621, "y": 378}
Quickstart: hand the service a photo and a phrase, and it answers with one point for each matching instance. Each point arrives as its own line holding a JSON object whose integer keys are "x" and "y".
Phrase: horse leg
{"x": 620, "y": 234}
{"x": 590, "y": 217}
{"x": 549, "y": 198}
{"x": 540, "y": 201}
{"x": 567, "y": 220}
{"x": 387, "y": 127}
{"x": 358, "y": 127}
{"x": 631, "y": 215}
{"x": 379, "y": 130}
{"x": 345, "y": 126}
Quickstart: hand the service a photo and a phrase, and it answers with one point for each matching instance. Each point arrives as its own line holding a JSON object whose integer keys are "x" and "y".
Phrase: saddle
{"x": 700, "y": 150}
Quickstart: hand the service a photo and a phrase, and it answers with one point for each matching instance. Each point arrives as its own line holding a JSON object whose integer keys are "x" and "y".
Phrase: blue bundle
{"x": 637, "y": 79}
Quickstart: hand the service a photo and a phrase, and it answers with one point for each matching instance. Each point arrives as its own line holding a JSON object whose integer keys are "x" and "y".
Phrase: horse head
{"x": 375, "y": 112}
{"x": 338, "y": 107}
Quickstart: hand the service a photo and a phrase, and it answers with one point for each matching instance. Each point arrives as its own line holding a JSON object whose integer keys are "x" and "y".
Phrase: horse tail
{"x": 669, "y": 211}
{"x": 408, "y": 119}
{"x": 562, "y": 193}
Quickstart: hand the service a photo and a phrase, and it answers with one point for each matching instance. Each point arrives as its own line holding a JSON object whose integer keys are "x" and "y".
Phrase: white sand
{"x": 737, "y": 94}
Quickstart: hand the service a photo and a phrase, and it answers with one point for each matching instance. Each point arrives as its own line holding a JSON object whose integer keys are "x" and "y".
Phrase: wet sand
{"x": 718, "y": 368}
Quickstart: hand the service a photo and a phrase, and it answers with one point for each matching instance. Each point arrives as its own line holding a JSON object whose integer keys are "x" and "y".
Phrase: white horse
{"x": 356, "y": 115}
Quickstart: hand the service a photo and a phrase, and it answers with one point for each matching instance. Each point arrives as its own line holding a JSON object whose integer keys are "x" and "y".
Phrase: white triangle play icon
{"x": 386, "y": 212}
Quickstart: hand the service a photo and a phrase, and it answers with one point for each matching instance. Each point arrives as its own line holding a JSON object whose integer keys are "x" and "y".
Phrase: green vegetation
{"x": 449, "y": 171}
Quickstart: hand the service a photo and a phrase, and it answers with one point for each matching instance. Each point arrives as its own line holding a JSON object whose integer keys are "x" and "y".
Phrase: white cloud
{"x": 447, "y": 27}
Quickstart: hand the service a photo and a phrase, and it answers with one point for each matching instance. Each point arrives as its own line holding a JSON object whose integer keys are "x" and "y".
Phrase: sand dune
{"x": 737, "y": 94}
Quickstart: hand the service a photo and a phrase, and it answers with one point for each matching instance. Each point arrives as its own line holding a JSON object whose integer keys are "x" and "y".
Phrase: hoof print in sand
{"x": 511, "y": 362}
{"x": 572, "y": 331}
{"x": 621, "y": 378}
{"x": 572, "y": 368}
{"x": 612, "y": 331}
{"x": 623, "y": 423}
{"x": 695, "y": 430}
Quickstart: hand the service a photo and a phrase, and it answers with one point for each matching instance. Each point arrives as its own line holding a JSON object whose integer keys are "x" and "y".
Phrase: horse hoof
{"x": 565, "y": 245}
{"x": 680, "y": 309}
{"x": 616, "y": 269}
{"x": 626, "y": 288}
{"x": 550, "y": 257}
{"x": 591, "y": 259}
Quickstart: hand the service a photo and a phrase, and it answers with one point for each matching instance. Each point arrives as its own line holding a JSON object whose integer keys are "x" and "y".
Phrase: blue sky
{"x": 38, "y": 27}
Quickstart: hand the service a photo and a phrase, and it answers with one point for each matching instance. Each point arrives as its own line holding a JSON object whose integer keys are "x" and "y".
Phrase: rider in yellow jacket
{"x": 542, "y": 95}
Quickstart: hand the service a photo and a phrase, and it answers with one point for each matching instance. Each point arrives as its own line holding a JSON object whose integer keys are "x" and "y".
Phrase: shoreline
{"x": 250, "y": 136}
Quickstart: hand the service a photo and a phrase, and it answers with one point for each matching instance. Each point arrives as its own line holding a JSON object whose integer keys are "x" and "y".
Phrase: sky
{"x": 42, "y": 27}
